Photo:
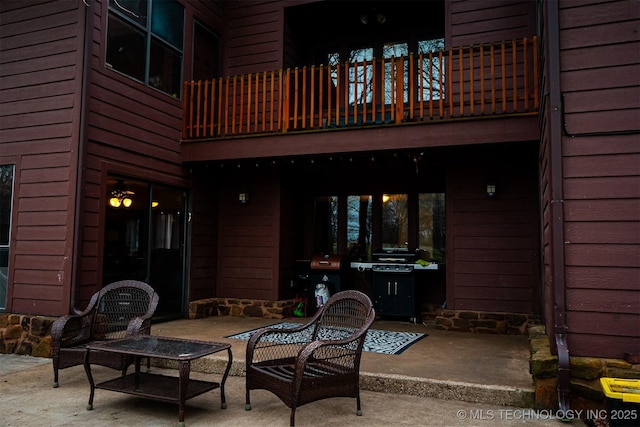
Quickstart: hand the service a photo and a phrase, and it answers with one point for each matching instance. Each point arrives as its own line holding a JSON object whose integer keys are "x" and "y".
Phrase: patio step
{"x": 398, "y": 384}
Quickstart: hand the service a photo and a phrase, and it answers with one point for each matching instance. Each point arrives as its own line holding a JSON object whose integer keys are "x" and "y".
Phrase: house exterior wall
{"x": 492, "y": 242}
{"x": 129, "y": 129}
{"x": 600, "y": 85}
{"x": 40, "y": 101}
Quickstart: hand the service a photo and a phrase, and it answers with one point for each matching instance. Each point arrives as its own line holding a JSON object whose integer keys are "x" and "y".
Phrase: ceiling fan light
{"x": 115, "y": 202}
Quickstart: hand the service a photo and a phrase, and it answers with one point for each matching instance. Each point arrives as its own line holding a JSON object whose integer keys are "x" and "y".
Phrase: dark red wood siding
{"x": 480, "y": 21}
{"x": 600, "y": 74}
{"x": 249, "y": 237}
{"x": 253, "y": 36}
{"x": 492, "y": 243}
{"x": 39, "y": 130}
{"x": 204, "y": 235}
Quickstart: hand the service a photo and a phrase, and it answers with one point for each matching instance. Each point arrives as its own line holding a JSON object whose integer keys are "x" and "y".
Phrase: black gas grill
{"x": 394, "y": 283}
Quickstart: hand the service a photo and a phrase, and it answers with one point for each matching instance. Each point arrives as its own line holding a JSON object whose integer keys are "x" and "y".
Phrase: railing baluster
{"x": 450, "y": 83}
{"x": 264, "y": 101}
{"x": 430, "y": 81}
{"x": 504, "y": 77}
{"x": 256, "y": 112}
{"x": 220, "y": 111}
{"x": 191, "y": 108}
{"x": 471, "y": 85}
{"x": 296, "y": 96}
{"x": 525, "y": 54}
{"x": 338, "y": 90}
{"x": 280, "y": 101}
{"x": 329, "y": 91}
{"x": 272, "y": 100}
{"x": 346, "y": 94}
{"x": 240, "y": 106}
{"x": 249, "y": 81}
{"x": 383, "y": 92}
{"x": 355, "y": 92}
{"x": 461, "y": 83}
{"x": 364, "y": 92}
{"x": 286, "y": 100}
{"x": 186, "y": 120}
{"x": 304, "y": 98}
{"x": 493, "y": 79}
{"x": 412, "y": 87}
{"x": 441, "y": 84}
{"x": 420, "y": 85}
{"x": 374, "y": 95}
{"x": 535, "y": 72}
{"x": 481, "y": 79}
{"x": 393, "y": 86}
{"x": 204, "y": 107}
{"x": 197, "y": 108}
{"x": 313, "y": 97}
{"x": 399, "y": 89}
{"x": 212, "y": 104}
{"x": 514, "y": 67}
{"x": 234, "y": 105}
{"x": 320, "y": 95}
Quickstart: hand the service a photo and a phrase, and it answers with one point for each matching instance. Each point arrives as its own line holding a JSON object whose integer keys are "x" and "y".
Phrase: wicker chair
{"x": 117, "y": 310}
{"x": 314, "y": 361}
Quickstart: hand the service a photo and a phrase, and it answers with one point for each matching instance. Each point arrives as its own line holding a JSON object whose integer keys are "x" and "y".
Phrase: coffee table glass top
{"x": 163, "y": 347}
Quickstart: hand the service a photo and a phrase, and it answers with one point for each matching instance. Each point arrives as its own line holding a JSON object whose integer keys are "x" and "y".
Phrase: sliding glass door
{"x": 145, "y": 240}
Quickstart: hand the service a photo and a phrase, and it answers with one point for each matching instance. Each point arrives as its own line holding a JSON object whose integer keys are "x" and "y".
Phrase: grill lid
{"x": 399, "y": 256}
{"x": 326, "y": 262}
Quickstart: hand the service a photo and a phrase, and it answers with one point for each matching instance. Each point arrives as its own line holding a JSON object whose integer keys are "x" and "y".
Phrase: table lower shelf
{"x": 157, "y": 387}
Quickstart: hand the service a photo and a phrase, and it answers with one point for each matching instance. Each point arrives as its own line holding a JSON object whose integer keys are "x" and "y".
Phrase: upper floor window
{"x": 145, "y": 42}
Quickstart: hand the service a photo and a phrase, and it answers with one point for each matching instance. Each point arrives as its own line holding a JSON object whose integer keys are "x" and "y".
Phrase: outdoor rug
{"x": 376, "y": 341}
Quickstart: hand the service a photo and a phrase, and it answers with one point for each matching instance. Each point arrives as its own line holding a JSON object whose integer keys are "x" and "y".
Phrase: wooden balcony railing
{"x": 481, "y": 80}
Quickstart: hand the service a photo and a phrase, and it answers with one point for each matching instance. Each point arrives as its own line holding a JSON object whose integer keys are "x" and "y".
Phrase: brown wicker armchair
{"x": 119, "y": 309}
{"x": 314, "y": 361}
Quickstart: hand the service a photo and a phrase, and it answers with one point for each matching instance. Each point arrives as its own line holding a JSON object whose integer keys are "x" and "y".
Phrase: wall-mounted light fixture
{"x": 120, "y": 196}
{"x": 243, "y": 197}
{"x": 491, "y": 190}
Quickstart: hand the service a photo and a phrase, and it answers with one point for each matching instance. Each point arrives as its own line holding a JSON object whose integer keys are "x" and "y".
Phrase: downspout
{"x": 82, "y": 134}
{"x": 557, "y": 205}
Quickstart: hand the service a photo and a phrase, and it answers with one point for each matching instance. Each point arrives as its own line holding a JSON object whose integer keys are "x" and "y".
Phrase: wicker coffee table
{"x": 154, "y": 386}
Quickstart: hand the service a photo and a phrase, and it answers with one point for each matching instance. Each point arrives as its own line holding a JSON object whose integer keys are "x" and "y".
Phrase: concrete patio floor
{"x": 482, "y": 368}
{"x": 446, "y": 379}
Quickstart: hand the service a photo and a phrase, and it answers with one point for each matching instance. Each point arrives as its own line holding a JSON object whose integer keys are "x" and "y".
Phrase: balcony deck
{"x": 488, "y": 80}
